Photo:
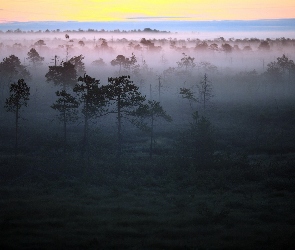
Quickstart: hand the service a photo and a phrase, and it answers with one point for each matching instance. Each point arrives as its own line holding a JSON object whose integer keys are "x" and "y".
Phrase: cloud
{"x": 157, "y": 17}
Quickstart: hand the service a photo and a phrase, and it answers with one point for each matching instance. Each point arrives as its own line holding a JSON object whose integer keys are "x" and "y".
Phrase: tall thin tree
{"x": 67, "y": 106}
{"x": 150, "y": 111}
{"x": 205, "y": 90}
{"x": 124, "y": 97}
{"x": 19, "y": 95}
{"x": 93, "y": 99}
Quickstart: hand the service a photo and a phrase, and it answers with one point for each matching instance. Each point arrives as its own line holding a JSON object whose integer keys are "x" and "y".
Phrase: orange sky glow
{"x": 118, "y": 10}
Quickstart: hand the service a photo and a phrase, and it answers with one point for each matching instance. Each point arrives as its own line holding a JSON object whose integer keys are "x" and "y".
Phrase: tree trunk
{"x": 152, "y": 137}
{"x": 85, "y": 137}
{"x": 65, "y": 130}
{"x": 119, "y": 118}
{"x": 16, "y": 132}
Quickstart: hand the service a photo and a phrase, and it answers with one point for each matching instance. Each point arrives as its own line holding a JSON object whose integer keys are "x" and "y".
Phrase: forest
{"x": 146, "y": 140}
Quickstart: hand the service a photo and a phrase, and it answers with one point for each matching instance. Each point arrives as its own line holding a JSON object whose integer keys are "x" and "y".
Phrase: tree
{"x": 11, "y": 68}
{"x": 35, "y": 58}
{"x": 286, "y": 64}
{"x": 186, "y": 63}
{"x": 98, "y": 62}
{"x": 150, "y": 111}
{"x": 291, "y": 69}
{"x": 81, "y": 43}
{"x": 124, "y": 98}
{"x": 120, "y": 60}
{"x": 274, "y": 71}
{"x": 227, "y": 48}
{"x": 213, "y": 47}
{"x": 64, "y": 75}
{"x": 264, "y": 46}
{"x": 67, "y": 106}
{"x": 127, "y": 63}
{"x": 19, "y": 95}
{"x": 247, "y": 48}
{"x": 104, "y": 44}
{"x": 283, "y": 62}
{"x": 205, "y": 90}
{"x": 208, "y": 67}
{"x": 201, "y": 46}
{"x": 93, "y": 98}
{"x": 78, "y": 63}
{"x": 40, "y": 43}
{"x": 189, "y": 95}
{"x": 150, "y": 45}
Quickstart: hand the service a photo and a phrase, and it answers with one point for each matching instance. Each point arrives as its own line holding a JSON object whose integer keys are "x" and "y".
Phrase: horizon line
{"x": 131, "y": 19}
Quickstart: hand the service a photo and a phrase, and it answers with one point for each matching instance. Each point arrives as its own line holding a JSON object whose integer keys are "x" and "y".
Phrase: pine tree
{"x": 35, "y": 58}
{"x": 67, "y": 106}
{"x": 19, "y": 95}
{"x": 150, "y": 111}
{"x": 124, "y": 98}
{"x": 93, "y": 99}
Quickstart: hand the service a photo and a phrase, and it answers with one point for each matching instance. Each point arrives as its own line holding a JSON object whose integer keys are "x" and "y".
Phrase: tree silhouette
{"x": 124, "y": 97}
{"x": 93, "y": 99}
{"x": 67, "y": 106}
{"x": 283, "y": 62}
{"x": 64, "y": 75}
{"x": 227, "y": 48}
{"x": 40, "y": 43}
{"x": 151, "y": 111}
{"x": 274, "y": 71}
{"x": 205, "y": 90}
{"x": 213, "y": 47}
{"x": 125, "y": 62}
{"x": 98, "y": 62}
{"x": 189, "y": 95}
{"x": 19, "y": 95}
{"x": 186, "y": 63}
{"x": 286, "y": 64}
{"x": 264, "y": 46}
{"x": 81, "y": 43}
{"x": 120, "y": 60}
{"x": 150, "y": 45}
{"x": 11, "y": 68}
{"x": 35, "y": 58}
{"x": 104, "y": 45}
{"x": 78, "y": 63}
{"x": 201, "y": 46}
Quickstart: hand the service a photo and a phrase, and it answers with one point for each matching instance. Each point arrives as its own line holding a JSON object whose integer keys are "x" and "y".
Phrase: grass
{"x": 243, "y": 198}
{"x": 213, "y": 214}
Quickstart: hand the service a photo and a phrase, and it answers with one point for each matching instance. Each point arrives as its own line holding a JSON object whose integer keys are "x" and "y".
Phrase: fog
{"x": 238, "y": 73}
{"x": 184, "y": 134}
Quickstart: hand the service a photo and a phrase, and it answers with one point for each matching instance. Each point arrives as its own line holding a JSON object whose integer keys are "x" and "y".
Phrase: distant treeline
{"x": 88, "y": 30}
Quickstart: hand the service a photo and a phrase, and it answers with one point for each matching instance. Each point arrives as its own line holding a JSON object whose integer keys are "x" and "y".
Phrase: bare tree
{"x": 205, "y": 90}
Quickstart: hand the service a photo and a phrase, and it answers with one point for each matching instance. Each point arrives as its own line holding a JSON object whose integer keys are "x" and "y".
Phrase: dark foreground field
{"x": 240, "y": 207}
{"x": 241, "y": 197}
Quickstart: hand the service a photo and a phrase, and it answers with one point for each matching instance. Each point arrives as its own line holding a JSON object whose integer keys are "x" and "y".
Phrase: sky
{"x": 143, "y": 10}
